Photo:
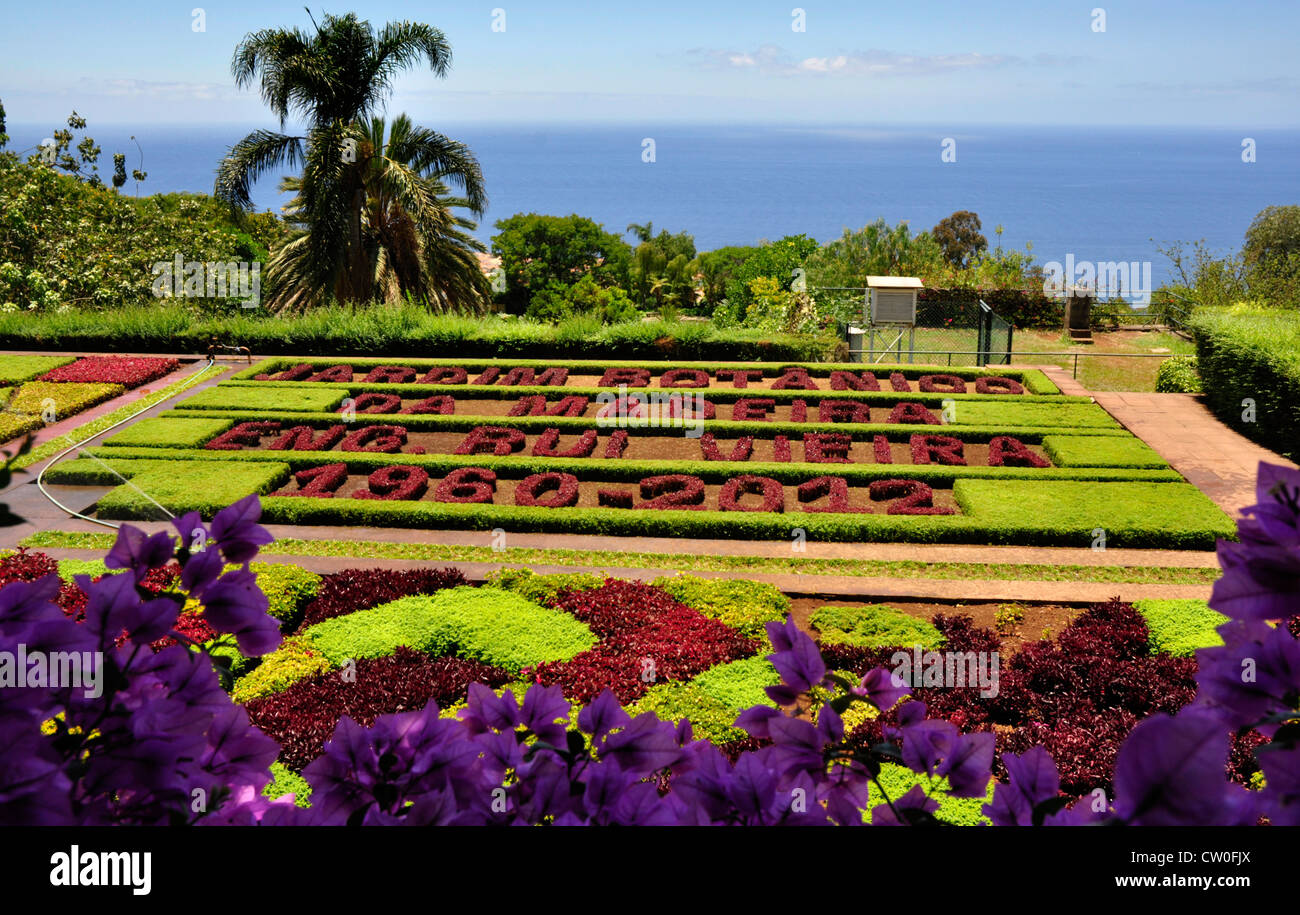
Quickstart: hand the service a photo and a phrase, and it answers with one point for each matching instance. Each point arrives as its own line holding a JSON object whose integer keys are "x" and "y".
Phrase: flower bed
{"x": 128, "y": 371}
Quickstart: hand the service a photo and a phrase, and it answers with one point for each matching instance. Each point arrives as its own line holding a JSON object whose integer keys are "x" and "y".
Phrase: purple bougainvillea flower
{"x": 139, "y": 552}
{"x": 645, "y": 745}
{"x": 968, "y": 765}
{"x": 928, "y": 743}
{"x": 234, "y": 604}
{"x": 797, "y": 661}
{"x": 191, "y": 528}
{"x": 1252, "y": 675}
{"x": 880, "y": 690}
{"x": 201, "y": 570}
{"x": 1261, "y": 573}
{"x": 1170, "y": 772}
{"x": 237, "y": 532}
{"x": 756, "y": 720}
{"x": 1032, "y": 778}
{"x": 914, "y": 799}
{"x": 114, "y": 606}
{"x": 543, "y": 705}
{"x": 486, "y": 711}
{"x": 603, "y": 715}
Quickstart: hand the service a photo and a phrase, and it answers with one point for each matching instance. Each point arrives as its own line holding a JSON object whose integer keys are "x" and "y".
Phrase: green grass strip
{"x": 687, "y": 562}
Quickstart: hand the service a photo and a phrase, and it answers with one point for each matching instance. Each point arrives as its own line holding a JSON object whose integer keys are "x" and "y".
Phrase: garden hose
{"x": 65, "y": 452}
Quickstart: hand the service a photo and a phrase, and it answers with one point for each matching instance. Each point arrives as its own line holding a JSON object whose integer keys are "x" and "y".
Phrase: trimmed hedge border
{"x": 92, "y": 473}
{"x": 1050, "y": 513}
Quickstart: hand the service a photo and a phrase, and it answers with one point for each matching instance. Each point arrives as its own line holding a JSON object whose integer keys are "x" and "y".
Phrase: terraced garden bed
{"x": 746, "y": 451}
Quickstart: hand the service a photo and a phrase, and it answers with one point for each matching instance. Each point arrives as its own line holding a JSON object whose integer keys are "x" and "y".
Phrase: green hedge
{"x": 1005, "y": 413}
{"x": 1179, "y": 627}
{"x": 401, "y": 330}
{"x": 485, "y": 624}
{"x": 739, "y": 684}
{"x": 180, "y": 486}
{"x": 873, "y": 626}
{"x": 710, "y": 718}
{"x": 170, "y": 430}
{"x": 296, "y": 659}
{"x": 317, "y": 398}
{"x": 14, "y": 369}
{"x": 1101, "y": 451}
{"x": 1252, "y": 355}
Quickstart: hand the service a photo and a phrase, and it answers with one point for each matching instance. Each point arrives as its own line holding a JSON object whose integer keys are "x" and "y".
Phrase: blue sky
{"x": 1161, "y": 62}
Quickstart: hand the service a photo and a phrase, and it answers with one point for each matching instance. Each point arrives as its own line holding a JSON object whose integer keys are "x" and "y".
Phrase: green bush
{"x": 14, "y": 424}
{"x": 296, "y": 659}
{"x": 1008, "y": 414}
{"x": 485, "y": 624}
{"x": 739, "y": 684}
{"x": 171, "y": 430}
{"x": 285, "y": 781}
{"x": 541, "y": 589}
{"x": 744, "y": 605}
{"x": 1249, "y": 363}
{"x": 1177, "y": 375}
{"x": 874, "y": 626}
{"x": 1101, "y": 451}
{"x": 14, "y": 369}
{"x": 1179, "y": 627}
{"x": 558, "y": 301}
{"x": 69, "y": 397}
{"x": 955, "y": 811}
{"x": 288, "y": 588}
{"x": 711, "y": 719}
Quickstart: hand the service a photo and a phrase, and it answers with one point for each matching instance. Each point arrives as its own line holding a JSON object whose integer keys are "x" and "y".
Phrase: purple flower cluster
{"x": 98, "y": 734}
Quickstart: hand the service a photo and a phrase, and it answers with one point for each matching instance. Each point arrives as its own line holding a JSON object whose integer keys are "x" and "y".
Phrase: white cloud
{"x": 774, "y": 61}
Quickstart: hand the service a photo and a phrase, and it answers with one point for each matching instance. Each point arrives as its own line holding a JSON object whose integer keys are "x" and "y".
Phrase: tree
{"x": 415, "y": 246}
{"x": 336, "y": 80}
{"x": 1271, "y": 255}
{"x": 959, "y": 237}
{"x": 537, "y": 250}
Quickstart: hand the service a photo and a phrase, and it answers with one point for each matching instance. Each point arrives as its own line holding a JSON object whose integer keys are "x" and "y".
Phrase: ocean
{"x": 1090, "y": 194}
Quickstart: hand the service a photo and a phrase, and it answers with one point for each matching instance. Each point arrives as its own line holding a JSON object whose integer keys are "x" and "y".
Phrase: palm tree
{"x": 336, "y": 80}
{"x": 415, "y": 246}
{"x": 643, "y": 233}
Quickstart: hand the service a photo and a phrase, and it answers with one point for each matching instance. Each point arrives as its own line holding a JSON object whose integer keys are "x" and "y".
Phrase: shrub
{"x": 1008, "y": 617}
{"x": 1177, "y": 375}
{"x": 345, "y": 592}
{"x": 67, "y": 397}
{"x": 746, "y": 606}
{"x": 710, "y": 718}
{"x": 294, "y": 660}
{"x": 285, "y": 781}
{"x": 485, "y": 624}
{"x": 1244, "y": 354}
{"x": 542, "y": 589}
{"x": 287, "y": 588}
{"x": 303, "y": 717}
{"x": 170, "y": 431}
{"x": 129, "y": 371}
{"x": 1179, "y": 627}
{"x": 875, "y": 626}
{"x": 739, "y": 684}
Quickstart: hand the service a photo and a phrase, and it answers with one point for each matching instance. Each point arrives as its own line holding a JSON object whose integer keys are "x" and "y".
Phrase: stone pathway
{"x": 1215, "y": 459}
